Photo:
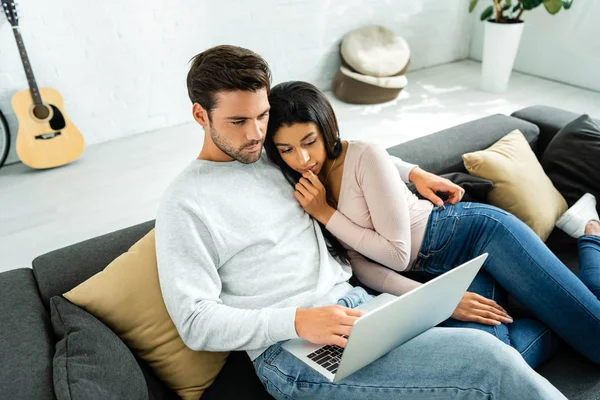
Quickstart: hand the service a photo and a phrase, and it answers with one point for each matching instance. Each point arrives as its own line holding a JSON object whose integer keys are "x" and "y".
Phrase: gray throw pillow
{"x": 476, "y": 189}
{"x": 572, "y": 160}
{"x": 91, "y": 362}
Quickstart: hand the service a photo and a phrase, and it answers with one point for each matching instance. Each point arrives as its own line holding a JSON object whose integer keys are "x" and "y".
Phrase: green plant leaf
{"x": 508, "y": 2}
{"x": 472, "y": 5}
{"x": 531, "y": 4}
{"x": 567, "y": 4}
{"x": 553, "y": 6}
{"x": 516, "y": 8}
{"x": 506, "y": 7}
{"x": 487, "y": 13}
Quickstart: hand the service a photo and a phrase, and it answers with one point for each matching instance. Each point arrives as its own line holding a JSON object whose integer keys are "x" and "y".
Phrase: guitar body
{"x": 46, "y": 138}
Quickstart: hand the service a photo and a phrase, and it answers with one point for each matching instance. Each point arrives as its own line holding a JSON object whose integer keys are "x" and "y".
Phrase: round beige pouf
{"x": 352, "y": 87}
{"x": 375, "y": 50}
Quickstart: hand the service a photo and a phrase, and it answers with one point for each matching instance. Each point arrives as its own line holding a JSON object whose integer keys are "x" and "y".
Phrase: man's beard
{"x": 239, "y": 154}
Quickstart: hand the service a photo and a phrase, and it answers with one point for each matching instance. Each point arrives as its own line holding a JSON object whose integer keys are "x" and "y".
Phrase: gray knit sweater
{"x": 237, "y": 255}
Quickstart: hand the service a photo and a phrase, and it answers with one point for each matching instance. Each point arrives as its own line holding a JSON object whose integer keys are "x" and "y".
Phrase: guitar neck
{"x": 33, "y": 87}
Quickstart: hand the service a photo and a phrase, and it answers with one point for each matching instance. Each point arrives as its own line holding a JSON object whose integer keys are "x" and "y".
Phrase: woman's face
{"x": 301, "y": 147}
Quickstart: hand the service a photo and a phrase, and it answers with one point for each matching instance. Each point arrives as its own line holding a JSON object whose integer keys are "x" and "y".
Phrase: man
{"x": 243, "y": 267}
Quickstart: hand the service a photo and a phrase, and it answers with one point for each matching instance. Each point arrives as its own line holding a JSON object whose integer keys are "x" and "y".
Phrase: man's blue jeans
{"x": 442, "y": 363}
{"x": 523, "y": 265}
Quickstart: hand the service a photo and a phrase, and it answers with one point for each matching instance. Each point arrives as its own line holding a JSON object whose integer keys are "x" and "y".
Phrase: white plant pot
{"x": 500, "y": 45}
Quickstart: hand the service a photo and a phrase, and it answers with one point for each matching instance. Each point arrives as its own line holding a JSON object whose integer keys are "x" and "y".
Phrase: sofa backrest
{"x": 61, "y": 270}
{"x": 441, "y": 152}
{"x": 549, "y": 119}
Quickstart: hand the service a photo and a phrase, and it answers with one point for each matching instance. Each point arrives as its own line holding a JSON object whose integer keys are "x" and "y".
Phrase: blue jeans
{"x": 520, "y": 263}
{"x": 441, "y": 363}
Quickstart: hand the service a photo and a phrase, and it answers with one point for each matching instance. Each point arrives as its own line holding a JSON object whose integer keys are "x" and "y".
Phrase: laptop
{"x": 388, "y": 322}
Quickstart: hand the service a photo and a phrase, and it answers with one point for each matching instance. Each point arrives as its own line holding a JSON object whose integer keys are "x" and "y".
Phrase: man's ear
{"x": 200, "y": 115}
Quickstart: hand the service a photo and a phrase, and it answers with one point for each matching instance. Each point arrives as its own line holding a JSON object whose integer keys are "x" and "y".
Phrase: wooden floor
{"x": 119, "y": 183}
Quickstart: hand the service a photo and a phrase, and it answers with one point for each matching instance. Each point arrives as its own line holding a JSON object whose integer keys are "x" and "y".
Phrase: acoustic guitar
{"x": 46, "y": 138}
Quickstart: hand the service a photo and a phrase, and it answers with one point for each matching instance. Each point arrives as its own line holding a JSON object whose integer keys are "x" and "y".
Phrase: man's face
{"x": 239, "y": 124}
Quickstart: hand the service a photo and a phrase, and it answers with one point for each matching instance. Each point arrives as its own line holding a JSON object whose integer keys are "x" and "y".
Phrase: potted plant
{"x": 503, "y": 30}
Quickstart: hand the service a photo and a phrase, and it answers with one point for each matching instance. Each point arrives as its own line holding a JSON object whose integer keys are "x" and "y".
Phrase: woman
{"x": 355, "y": 192}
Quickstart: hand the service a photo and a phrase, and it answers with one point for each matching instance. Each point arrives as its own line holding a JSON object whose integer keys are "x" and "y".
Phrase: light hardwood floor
{"x": 119, "y": 183}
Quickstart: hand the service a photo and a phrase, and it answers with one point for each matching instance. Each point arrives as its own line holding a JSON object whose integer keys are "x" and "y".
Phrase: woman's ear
{"x": 337, "y": 147}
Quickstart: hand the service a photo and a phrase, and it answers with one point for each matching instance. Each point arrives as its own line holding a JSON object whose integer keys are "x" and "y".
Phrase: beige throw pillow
{"x": 126, "y": 296}
{"x": 521, "y": 186}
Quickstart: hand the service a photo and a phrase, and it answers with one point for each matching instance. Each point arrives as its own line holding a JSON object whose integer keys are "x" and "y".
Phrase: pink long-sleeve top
{"x": 378, "y": 219}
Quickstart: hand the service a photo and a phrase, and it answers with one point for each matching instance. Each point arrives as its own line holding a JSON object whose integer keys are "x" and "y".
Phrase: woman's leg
{"x": 533, "y": 340}
{"x": 589, "y": 259}
{"x": 521, "y": 263}
{"x": 485, "y": 285}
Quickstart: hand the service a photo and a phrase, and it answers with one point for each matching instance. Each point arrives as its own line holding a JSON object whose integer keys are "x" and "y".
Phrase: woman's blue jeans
{"x": 521, "y": 264}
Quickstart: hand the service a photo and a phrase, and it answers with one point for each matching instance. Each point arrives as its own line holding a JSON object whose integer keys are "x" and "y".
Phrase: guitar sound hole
{"x": 41, "y": 111}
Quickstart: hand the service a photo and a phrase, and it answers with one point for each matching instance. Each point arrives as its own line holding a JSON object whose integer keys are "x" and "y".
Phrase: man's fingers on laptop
{"x": 338, "y": 340}
{"x": 352, "y": 311}
{"x": 343, "y": 330}
{"x": 348, "y": 320}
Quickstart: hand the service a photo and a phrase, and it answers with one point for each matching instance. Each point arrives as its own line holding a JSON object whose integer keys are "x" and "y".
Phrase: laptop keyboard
{"x": 328, "y": 357}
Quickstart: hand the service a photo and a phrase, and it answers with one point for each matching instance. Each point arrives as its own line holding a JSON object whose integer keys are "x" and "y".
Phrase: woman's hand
{"x": 428, "y": 184}
{"x": 476, "y": 308}
{"x": 312, "y": 196}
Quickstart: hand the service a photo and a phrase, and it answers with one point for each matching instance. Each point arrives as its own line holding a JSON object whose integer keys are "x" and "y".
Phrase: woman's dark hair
{"x": 297, "y": 102}
{"x": 223, "y": 69}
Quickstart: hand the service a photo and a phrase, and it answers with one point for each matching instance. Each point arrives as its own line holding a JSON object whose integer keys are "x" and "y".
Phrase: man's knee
{"x": 487, "y": 349}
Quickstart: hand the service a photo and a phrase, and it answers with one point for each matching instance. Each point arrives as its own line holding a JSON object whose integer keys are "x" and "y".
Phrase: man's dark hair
{"x": 298, "y": 103}
{"x": 225, "y": 69}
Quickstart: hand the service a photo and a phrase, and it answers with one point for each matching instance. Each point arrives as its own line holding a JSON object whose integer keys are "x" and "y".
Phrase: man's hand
{"x": 428, "y": 184}
{"x": 326, "y": 325}
{"x": 476, "y": 308}
{"x": 312, "y": 196}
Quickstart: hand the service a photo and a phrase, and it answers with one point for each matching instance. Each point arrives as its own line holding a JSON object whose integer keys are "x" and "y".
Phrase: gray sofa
{"x": 28, "y": 345}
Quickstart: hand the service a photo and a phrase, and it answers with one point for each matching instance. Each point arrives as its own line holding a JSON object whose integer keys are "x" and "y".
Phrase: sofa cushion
{"x": 520, "y": 185}
{"x": 441, "y": 152}
{"x": 572, "y": 160}
{"x": 126, "y": 296}
{"x": 90, "y": 361}
{"x": 61, "y": 270}
{"x": 476, "y": 189}
{"x": 27, "y": 341}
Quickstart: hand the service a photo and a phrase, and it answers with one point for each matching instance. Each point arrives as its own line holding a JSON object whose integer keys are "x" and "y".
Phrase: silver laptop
{"x": 389, "y": 321}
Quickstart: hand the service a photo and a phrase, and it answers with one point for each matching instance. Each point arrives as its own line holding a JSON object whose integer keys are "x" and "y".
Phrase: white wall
{"x": 564, "y": 47}
{"x": 121, "y": 64}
